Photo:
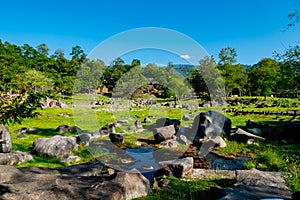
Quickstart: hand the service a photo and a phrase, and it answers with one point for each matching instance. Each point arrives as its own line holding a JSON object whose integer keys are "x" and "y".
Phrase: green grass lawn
{"x": 268, "y": 155}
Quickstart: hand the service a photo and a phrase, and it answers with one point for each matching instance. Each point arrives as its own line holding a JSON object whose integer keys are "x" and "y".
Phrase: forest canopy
{"x": 28, "y": 74}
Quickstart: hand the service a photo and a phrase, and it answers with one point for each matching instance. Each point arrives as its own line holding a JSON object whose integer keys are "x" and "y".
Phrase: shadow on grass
{"x": 199, "y": 189}
{"x": 49, "y": 132}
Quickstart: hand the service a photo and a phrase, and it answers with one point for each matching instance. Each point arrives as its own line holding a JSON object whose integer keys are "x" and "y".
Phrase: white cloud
{"x": 185, "y": 56}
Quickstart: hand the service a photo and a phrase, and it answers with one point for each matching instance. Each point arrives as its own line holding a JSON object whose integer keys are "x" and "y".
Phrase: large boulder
{"x": 164, "y": 133}
{"x": 178, "y": 168}
{"x": 167, "y": 122}
{"x": 5, "y": 140}
{"x": 14, "y": 158}
{"x": 255, "y": 184}
{"x": 43, "y": 184}
{"x": 84, "y": 138}
{"x": 243, "y": 136}
{"x": 65, "y": 128}
{"x": 218, "y": 141}
{"x": 57, "y": 146}
{"x": 116, "y": 138}
{"x": 107, "y": 129}
{"x": 211, "y": 124}
{"x": 134, "y": 184}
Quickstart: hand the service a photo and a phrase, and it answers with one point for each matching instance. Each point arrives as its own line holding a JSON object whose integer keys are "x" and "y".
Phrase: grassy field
{"x": 281, "y": 156}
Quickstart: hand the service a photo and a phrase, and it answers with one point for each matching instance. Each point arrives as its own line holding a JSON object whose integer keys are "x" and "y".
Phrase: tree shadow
{"x": 48, "y": 132}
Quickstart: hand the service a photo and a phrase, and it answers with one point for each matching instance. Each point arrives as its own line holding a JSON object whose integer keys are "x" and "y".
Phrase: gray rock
{"x": 5, "y": 140}
{"x": 14, "y": 158}
{"x": 134, "y": 184}
{"x": 116, "y": 138}
{"x": 180, "y": 167}
{"x": 255, "y": 184}
{"x": 255, "y": 131}
{"x": 44, "y": 184}
{"x": 22, "y": 130}
{"x": 183, "y": 139}
{"x": 63, "y": 105}
{"x": 243, "y": 136}
{"x": 138, "y": 124}
{"x": 147, "y": 120}
{"x": 84, "y": 138}
{"x": 218, "y": 141}
{"x": 187, "y": 118}
{"x": 211, "y": 124}
{"x": 66, "y": 129}
{"x": 107, "y": 129}
{"x": 164, "y": 133}
{"x": 168, "y": 144}
{"x": 123, "y": 121}
{"x": 74, "y": 129}
{"x": 256, "y": 177}
{"x": 167, "y": 122}
{"x": 57, "y": 146}
{"x": 247, "y": 192}
{"x": 251, "y": 141}
{"x": 95, "y": 134}
{"x": 213, "y": 174}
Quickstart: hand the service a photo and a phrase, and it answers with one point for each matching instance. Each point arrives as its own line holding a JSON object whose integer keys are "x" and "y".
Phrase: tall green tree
{"x": 234, "y": 75}
{"x": 43, "y": 49}
{"x": 264, "y": 77}
{"x": 227, "y": 56}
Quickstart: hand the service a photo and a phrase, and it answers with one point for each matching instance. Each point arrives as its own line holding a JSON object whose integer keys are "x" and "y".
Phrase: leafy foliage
{"x": 15, "y": 107}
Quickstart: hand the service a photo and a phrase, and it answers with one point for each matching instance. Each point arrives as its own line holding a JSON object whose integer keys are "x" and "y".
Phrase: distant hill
{"x": 183, "y": 69}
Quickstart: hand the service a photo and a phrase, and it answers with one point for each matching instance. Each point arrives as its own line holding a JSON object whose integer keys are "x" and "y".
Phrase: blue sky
{"x": 255, "y": 28}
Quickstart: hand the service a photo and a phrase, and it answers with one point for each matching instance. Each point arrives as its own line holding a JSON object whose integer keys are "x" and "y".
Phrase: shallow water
{"x": 144, "y": 159}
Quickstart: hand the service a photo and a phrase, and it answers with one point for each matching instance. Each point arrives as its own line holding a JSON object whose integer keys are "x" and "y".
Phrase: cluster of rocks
{"x": 70, "y": 183}
{"x": 7, "y": 156}
{"x": 101, "y": 103}
{"x": 51, "y": 103}
{"x": 208, "y": 104}
{"x": 67, "y": 129}
{"x": 242, "y": 101}
{"x": 244, "y": 184}
{"x": 57, "y": 146}
{"x": 143, "y": 102}
{"x": 246, "y": 112}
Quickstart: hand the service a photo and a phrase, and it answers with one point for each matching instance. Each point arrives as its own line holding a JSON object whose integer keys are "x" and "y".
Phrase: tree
{"x": 207, "y": 81}
{"x": 235, "y": 77}
{"x": 36, "y": 81}
{"x": 294, "y": 16}
{"x": 264, "y": 77}
{"x": 135, "y": 63}
{"x": 43, "y": 49}
{"x": 15, "y": 107}
{"x": 289, "y": 69}
{"x": 227, "y": 56}
{"x": 197, "y": 82}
